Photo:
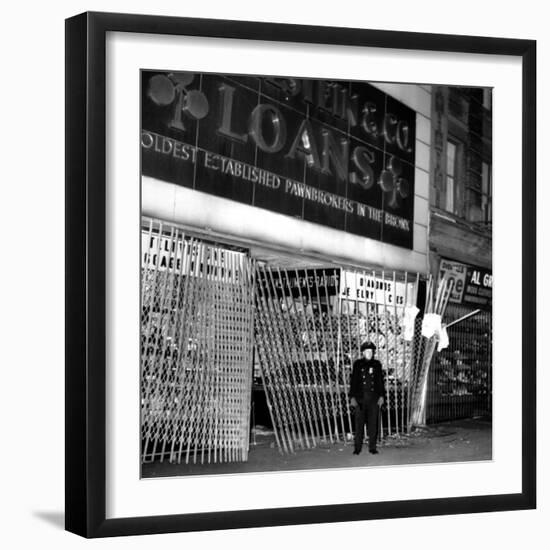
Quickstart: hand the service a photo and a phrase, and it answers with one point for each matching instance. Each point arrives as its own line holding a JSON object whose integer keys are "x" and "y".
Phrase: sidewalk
{"x": 459, "y": 441}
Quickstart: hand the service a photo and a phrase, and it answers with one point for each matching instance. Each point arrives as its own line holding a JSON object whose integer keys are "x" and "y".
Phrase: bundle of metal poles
{"x": 425, "y": 349}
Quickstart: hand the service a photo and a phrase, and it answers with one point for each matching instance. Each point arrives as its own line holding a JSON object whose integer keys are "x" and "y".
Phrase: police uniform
{"x": 366, "y": 386}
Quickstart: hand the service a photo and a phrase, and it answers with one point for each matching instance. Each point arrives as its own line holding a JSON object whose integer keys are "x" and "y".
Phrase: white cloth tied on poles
{"x": 431, "y": 325}
{"x": 409, "y": 316}
{"x": 443, "y": 339}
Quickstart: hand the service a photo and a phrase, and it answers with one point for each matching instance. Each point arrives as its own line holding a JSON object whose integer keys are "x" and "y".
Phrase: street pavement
{"x": 459, "y": 441}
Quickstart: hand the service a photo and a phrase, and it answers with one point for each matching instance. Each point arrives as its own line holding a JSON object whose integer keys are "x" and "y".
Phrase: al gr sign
{"x": 339, "y": 154}
{"x": 472, "y": 285}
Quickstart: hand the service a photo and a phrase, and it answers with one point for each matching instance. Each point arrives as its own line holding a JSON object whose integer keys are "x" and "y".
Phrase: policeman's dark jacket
{"x": 366, "y": 377}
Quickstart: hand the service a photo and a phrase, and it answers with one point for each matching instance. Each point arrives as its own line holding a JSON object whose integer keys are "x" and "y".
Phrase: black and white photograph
{"x": 316, "y": 274}
{"x": 274, "y": 275}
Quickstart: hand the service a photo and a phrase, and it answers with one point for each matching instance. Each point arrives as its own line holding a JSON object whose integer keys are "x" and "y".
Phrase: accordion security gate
{"x": 308, "y": 333}
{"x": 460, "y": 383}
{"x": 196, "y": 348}
{"x": 205, "y": 306}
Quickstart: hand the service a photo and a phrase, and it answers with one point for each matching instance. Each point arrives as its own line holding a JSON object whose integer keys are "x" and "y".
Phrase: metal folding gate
{"x": 460, "y": 382}
{"x": 308, "y": 332}
{"x": 304, "y": 384}
{"x": 196, "y": 348}
{"x": 204, "y": 307}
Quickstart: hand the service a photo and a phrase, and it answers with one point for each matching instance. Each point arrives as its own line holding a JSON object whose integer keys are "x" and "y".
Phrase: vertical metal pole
{"x": 335, "y": 359}
{"x": 394, "y": 327}
{"x": 326, "y": 354}
{"x": 144, "y": 321}
{"x": 414, "y": 346}
{"x": 196, "y": 339}
{"x": 166, "y": 362}
{"x": 450, "y": 285}
{"x": 350, "y": 345}
{"x": 249, "y": 269}
{"x": 233, "y": 396}
{"x": 304, "y": 402}
{"x": 284, "y": 387}
{"x": 172, "y": 388}
{"x": 166, "y": 352}
{"x": 368, "y": 313}
{"x": 203, "y": 361}
{"x": 228, "y": 363}
{"x": 387, "y": 382}
{"x": 404, "y": 354}
{"x": 172, "y": 375}
{"x": 149, "y": 421}
{"x": 309, "y": 396}
{"x": 422, "y": 347}
{"x": 341, "y": 350}
{"x": 209, "y": 348}
{"x": 216, "y": 349}
{"x": 230, "y": 382}
{"x": 194, "y": 400}
{"x": 237, "y": 363}
{"x": 366, "y": 302}
{"x": 144, "y": 384}
{"x": 265, "y": 366}
{"x": 219, "y": 344}
{"x": 188, "y": 335}
{"x": 278, "y": 400}
{"x": 314, "y": 386}
{"x": 325, "y": 413}
{"x": 359, "y": 337}
{"x": 294, "y": 409}
{"x": 186, "y": 328}
{"x": 145, "y": 267}
{"x": 178, "y": 385}
{"x": 244, "y": 380}
{"x": 157, "y": 350}
{"x": 377, "y": 333}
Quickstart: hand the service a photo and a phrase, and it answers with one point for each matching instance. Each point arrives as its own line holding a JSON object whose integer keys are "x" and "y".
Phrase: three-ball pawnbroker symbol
{"x": 164, "y": 89}
{"x": 393, "y": 183}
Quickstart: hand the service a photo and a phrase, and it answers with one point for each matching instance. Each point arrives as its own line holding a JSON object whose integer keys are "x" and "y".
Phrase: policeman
{"x": 366, "y": 396}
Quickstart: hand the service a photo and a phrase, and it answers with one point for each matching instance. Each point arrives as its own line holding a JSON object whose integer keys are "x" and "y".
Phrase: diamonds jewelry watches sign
{"x": 339, "y": 154}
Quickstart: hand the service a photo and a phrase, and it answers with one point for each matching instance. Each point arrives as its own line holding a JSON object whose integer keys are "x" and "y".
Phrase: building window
{"x": 479, "y": 197}
{"x": 451, "y": 177}
{"x": 486, "y": 193}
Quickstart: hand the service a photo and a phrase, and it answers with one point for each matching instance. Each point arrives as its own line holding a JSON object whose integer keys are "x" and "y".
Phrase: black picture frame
{"x": 86, "y": 273}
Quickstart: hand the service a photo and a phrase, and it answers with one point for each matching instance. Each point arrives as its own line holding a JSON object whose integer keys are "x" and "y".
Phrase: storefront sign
{"x": 457, "y": 273}
{"x": 472, "y": 285}
{"x": 339, "y": 154}
{"x": 304, "y": 283}
{"x": 181, "y": 257}
{"x": 375, "y": 290}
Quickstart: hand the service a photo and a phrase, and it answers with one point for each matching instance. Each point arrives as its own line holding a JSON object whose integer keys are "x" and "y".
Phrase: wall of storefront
{"x": 221, "y": 218}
